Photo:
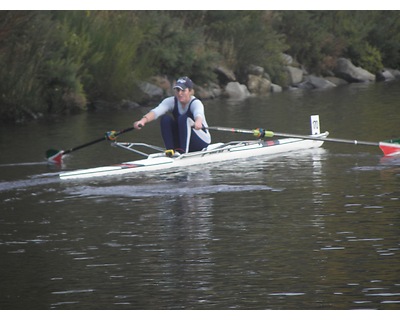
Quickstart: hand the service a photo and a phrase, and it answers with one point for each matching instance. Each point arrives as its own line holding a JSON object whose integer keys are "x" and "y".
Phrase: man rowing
{"x": 183, "y": 121}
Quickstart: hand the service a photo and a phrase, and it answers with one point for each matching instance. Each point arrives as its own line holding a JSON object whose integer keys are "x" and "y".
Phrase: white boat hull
{"x": 215, "y": 153}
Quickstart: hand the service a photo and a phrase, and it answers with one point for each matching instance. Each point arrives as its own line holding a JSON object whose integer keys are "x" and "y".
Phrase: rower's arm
{"x": 198, "y": 123}
{"x": 148, "y": 117}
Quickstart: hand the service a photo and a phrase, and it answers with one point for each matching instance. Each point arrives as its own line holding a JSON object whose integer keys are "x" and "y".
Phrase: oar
{"x": 53, "y": 155}
{"x": 388, "y": 148}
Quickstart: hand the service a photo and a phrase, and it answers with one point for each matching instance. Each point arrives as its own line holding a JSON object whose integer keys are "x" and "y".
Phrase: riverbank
{"x": 72, "y": 61}
{"x": 258, "y": 82}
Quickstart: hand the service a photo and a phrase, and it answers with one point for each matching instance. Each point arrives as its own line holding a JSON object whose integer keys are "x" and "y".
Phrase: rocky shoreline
{"x": 258, "y": 82}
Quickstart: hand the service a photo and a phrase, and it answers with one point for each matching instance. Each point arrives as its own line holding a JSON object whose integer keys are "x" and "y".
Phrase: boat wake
{"x": 24, "y": 184}
{"x": 22, "y": 164}
{"x": 166, "y": 191}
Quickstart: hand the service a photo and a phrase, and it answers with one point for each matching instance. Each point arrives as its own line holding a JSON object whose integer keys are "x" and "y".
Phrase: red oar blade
{"x": 54, "y": 156}
{"x": 390, "y": 149}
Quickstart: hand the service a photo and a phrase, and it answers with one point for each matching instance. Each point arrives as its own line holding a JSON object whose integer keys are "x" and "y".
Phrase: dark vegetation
{"x": 57, "y": 62}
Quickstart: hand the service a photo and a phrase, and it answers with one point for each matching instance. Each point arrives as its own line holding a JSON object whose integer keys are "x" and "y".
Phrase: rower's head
{"x": 183, "y": 83}
{"x": 184, "y": 89}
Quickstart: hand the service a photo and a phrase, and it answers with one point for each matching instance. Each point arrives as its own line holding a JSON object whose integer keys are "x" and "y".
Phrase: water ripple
{"x": 73, "y": 291}
{"x": 167, "y": 190}
{"x": 23, "y": 184}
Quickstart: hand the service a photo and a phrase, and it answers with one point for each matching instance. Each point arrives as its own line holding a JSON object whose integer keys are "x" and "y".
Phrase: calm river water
{"x": 311, "y": 230}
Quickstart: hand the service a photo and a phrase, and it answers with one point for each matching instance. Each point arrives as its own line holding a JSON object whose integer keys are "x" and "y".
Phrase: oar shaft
{"x": 55, "y": 156}
{"x": 84, "y": 145}
{"x": 288, "y": 135}
{"x": 234, "y": 130}
{"x": 96, "y": 141}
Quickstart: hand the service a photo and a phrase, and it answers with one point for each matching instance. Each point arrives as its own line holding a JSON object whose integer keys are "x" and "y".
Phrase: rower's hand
{"x": 198, "y": 124}
{"x": 139, "y": 124}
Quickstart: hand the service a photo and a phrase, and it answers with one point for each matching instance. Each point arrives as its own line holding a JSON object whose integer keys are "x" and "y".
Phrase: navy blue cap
{"x": 183, "y": 83}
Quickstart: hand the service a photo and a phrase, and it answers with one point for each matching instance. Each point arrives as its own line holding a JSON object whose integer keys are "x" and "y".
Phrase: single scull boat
{"x": 161, "y": 159}
{"x": 214, "y": 153}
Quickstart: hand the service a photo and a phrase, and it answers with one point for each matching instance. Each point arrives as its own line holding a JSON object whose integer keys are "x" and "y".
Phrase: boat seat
{"x": 214, "y": 146}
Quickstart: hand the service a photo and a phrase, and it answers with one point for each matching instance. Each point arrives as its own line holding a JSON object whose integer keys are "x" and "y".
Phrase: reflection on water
{"x": 309, "y": 230}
